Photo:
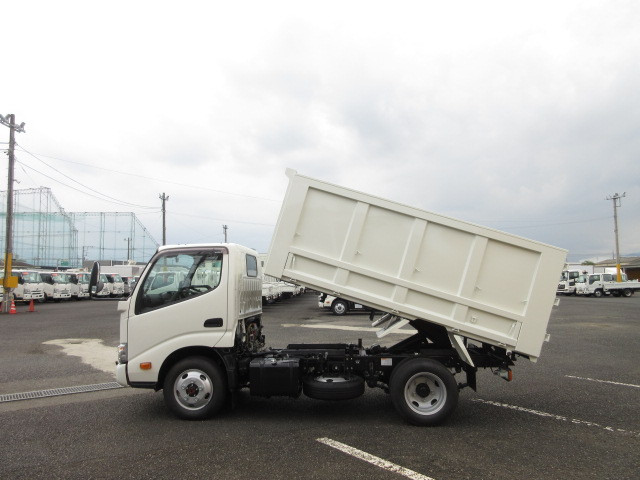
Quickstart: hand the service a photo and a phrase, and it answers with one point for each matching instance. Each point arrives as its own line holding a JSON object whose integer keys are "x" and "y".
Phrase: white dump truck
{"x": 476, "y": 297}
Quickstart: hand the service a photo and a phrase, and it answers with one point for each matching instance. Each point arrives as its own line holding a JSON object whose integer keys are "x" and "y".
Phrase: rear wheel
{"x": 423, "y": 391}
{"x": 627, "y": 292}
{"x": 195, "y": 388}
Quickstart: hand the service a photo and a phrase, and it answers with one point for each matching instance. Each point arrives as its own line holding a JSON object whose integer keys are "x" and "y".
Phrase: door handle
{"x": 213, "y": 322}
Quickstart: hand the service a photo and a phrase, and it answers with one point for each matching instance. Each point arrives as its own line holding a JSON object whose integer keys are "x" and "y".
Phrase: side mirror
{"x": 95, "y": 285}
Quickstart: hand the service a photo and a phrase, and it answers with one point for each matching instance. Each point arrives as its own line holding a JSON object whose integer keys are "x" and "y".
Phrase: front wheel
{"x": 423, "y": 391}
{"x": 598, "y": 293}
{"x": 195, "y": 388}
{"x": 339, "y": 307}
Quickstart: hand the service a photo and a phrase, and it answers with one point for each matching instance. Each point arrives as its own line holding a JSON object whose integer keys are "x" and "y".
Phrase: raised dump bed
{"x": 477, "y": 282}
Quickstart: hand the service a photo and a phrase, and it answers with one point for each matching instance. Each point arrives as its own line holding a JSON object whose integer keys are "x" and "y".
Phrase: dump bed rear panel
{"x": 478, "y": 282}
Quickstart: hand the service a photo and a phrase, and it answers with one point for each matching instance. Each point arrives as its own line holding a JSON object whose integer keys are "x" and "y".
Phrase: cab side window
{"x": 179, "y": 276}
{"x": 252, "y": 266}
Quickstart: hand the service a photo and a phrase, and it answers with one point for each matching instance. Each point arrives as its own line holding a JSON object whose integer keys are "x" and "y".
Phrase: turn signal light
{"x": 145, "y": 366}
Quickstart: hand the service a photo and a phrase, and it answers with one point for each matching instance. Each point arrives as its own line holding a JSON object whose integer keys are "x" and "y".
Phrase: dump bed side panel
{"x": 482, "y": 283}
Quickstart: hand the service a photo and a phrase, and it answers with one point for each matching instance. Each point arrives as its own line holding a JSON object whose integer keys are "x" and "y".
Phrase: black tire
{"x": 339, "y": 307}
{"x": 333, "y": 387}
{"x": 598, "y": 293}
{"x": 627, "y": 292}
{"x": 195, "y": 388}
{"x": 423, "y": 391}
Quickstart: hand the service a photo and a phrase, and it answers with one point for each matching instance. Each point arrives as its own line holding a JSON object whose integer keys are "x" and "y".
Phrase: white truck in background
{"x": 443, "y": 277}
{"x": 56, "y": 286}
{"x": 340, "y": 306}
{"x": 600, "y": 284}
{"x": 79, "y": 284}
{"x": 567, "y": 283}
{"x": 116, "y": 284}
{"x": 30, "y": 286}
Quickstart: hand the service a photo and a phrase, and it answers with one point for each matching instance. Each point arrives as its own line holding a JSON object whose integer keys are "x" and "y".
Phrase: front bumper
{"x": 121, "y": 374}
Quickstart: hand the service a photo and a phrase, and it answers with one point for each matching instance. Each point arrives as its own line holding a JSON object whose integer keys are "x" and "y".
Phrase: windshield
{"x": 59, "y": 278}
{"x": 83, "y": 278}
{"x": 31, "y": 277}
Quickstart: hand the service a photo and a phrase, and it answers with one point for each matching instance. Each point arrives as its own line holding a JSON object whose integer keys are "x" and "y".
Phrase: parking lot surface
{"x": 573, "y": 414}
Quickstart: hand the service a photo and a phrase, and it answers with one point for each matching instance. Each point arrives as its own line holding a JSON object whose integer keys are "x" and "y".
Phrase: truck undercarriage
{"x": 328, "y": 371}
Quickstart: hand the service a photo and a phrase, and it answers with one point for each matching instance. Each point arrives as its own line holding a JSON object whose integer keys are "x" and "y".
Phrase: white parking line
{"x": 553, "y": 416}
{"x": 604, "y": 381}
{"x": 330, "y": 326}
{"x": 373, "y": 460}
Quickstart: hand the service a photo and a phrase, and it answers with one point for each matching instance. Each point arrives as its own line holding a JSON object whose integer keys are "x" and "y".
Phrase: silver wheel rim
{"x": 425, "y": 393}
{"x": 339, "y": 308}
{"x": 193, "y": 389}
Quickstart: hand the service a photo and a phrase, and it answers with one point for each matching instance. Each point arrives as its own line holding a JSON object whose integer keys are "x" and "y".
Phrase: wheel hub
{"x": 423, "y": 390}
{"x": 192, "y": 390}
{"x": 425, "y": 393}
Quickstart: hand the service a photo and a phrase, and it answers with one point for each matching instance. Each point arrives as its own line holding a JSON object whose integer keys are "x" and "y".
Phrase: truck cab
{"x": 567, "y": 283}
{"x": 192, "y": 301}
{"x": 116, "y": 284}
{"x": 79, "y": 285}
{"x": 30, "y": 286}
{"x": 56, "y": 286}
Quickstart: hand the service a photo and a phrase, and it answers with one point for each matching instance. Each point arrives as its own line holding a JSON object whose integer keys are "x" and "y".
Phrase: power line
{"x": 74, "y": 188}
{"x": 81, "y": 184}
{"x": 162, "y": 180}
{"x": 221, "y": 220}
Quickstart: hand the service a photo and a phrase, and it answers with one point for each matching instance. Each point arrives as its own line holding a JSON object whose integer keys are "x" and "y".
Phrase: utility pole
{"x": 8, "y": 281}
{"x": 615, "y": 198}
{"x": 128, "y": 239}
{"x": 164, "y": 199}
{"x": 85, "y": 248}
{"x": 224, "y": 229}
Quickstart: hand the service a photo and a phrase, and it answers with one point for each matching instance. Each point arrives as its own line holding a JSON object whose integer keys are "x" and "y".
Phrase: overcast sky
{"x": 518, "y": 116}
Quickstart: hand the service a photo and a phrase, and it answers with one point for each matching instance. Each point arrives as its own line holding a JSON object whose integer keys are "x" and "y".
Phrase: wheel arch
{"x": 193, "y": 351}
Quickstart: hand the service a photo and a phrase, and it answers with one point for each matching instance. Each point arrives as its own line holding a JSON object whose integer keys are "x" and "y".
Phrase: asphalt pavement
{"x": 573, "y": 414}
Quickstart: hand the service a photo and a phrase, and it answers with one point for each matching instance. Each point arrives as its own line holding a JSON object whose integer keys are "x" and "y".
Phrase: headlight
{"x": 122, "y": 353}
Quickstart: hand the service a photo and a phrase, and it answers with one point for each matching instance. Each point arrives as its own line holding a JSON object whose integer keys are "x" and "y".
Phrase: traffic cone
{"x": 13, "y": 307}
{"x": 32, "y": 307}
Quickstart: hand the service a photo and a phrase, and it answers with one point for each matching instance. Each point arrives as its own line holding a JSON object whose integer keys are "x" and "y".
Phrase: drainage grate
{"x": 54, "y": 392}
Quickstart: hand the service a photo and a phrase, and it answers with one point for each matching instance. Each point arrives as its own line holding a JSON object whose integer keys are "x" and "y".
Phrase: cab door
{"x": 181, "y": 302}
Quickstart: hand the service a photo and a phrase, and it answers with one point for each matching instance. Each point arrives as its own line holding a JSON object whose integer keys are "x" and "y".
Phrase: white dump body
{"x": 477, "y": 282}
